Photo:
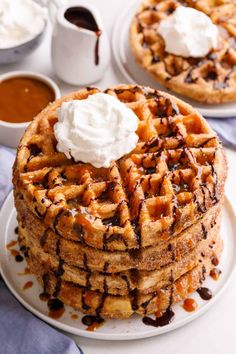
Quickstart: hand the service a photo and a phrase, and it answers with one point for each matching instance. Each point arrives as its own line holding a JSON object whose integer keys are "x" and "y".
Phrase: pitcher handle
{"x": 53, "y": 6}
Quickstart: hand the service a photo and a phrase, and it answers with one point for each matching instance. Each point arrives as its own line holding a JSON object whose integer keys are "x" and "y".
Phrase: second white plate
{"x": 132, "y": 328}
{"x": 134, "y": 74}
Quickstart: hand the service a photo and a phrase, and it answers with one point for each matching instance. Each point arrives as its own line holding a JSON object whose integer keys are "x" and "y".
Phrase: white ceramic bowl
{"x": 11, "y": 133}
{"x": 19, "y": 52}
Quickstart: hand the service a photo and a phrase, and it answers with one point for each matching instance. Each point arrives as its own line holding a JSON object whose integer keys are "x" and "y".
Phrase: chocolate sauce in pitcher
{"x": 83, "y": 18}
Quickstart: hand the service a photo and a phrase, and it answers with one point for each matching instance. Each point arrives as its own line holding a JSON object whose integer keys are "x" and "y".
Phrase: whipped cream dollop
{"x": 96, "y": 130}
{"x": 188, "y": 33}
{"x": 20, "y": 21}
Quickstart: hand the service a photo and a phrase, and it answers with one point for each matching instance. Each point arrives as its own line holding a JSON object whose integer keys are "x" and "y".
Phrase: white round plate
{"x": 132, "y": 328}
{"x": 134, "y": 74}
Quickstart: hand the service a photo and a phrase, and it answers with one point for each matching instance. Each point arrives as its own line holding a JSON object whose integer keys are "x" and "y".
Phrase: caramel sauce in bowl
{"x": 23, "y": 95}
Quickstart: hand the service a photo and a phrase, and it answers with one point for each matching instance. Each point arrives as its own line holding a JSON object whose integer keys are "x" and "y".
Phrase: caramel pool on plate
{"x": 22, "y": 98}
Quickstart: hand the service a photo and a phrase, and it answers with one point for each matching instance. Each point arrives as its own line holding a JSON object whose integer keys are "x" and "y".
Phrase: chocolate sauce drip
{"x": 171, "y": 249}
{"x": 146, "y": 303}
{"x": 83, "y": 18}
{"x": 211, "y": 76}
{"x": 134, "y": 294}
{"x": 88, "y": 272}
{"x": 151, "y": 143}
{"x": 150, "y": 170}
{"x": 214, "y": 174}
{"x": 199, "y": 206}
{"x": 202, "y": 185}
{"x": 56, "y": 220}
{"x": 204, "y": 231}
{"x": 204, "y": 293}
{"x": 171, "y": 289}
{"x": 60, "y": 271}
{"x": 150, "y": 95}
{"x": 84, "y": 305}
{"x": 40, "y": 216}
{"x": 91, "y": 88}
{"x": 133, "y": 90}
{"x": 137, "y": 231}
{"x": 111, "y": 238}
{"x": 203, "y": 274}
{"x": 104, "y": 195}
{"x": 162, "y": 321}
{"x": 113, "y": 221}
{"x": 89, "y": 320}
{"x": 57, "y": 289}
{"x": 19, "y": 258}
{"x": 45, "y": 295}
{"x": 55, "y": 305}
{"x": 103, "y": 298}
{"x": 189, "y": 77}
{"x": 80, "y": 231}
{"x": 43, "y": 238}
{"x": 105, "y": 267}
{"x": 155, "y": 59}
{"x": 34, "y": 151}
{"x": 126, "y": 279}
{"x": 179, "y": 188}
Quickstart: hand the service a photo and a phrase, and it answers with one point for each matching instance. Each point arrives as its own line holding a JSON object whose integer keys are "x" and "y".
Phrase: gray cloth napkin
{"x": 226, "y": 129}
{"x": 20, "y": 331}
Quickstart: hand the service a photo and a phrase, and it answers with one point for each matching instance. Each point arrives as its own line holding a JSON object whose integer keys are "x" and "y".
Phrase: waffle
{"x": 209, "y": 79}
{"x": 123, "y": 282}
{"x": 110, "y": 306}
{"x": 79, "y": 255}
{"x": 131, "y": 232}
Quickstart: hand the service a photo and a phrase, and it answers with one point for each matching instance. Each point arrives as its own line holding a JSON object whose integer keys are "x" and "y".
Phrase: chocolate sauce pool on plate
{"x": 204, "y": 293}
{"x": 82, "y": 17}
{"x": 162, "y": 321}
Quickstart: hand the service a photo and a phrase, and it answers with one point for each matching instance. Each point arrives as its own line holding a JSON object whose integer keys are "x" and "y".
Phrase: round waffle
{"x": 108, "y": 241}
{"x": 111, "y": 306}
{"x": 76, "y": 254}
{"x": 209, "y": 79}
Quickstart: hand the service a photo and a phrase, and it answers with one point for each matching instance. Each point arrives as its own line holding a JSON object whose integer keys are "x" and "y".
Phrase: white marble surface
{"x": 214, "y": 332}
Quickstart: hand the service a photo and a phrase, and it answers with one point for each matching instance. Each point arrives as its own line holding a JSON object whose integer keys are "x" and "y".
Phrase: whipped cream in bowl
{"x": 188, "y": 32}
{"x": 20, "y": 21}
{"x": 22, "y": 26}
{"x": 96, "y": 130}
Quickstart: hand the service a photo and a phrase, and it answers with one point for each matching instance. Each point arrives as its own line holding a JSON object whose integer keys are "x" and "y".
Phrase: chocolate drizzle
{"x": 204, "y": 231}
{"x": 92, "y": 321}
{"x": 88, "y": 271}
{"x": 44, "y": 296}
{"x": 162, "y": 321}
{"x": 60, "y": 271}
{"x": 56, "y": 308}
{"x": 43, "y": 238}
{"x": 168, "y": 315}
{"x": 79, "y": 231}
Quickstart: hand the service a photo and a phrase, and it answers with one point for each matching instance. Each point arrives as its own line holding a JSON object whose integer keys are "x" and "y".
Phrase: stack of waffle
{"x": 135, "y": 237}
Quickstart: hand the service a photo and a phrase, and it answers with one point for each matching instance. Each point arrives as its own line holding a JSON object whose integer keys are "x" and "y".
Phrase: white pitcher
{"x": 79, "y": 55}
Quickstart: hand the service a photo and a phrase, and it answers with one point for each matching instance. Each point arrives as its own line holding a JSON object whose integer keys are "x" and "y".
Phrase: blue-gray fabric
{"x": 20, "y": 331}
{"x": 226, "y": 129}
